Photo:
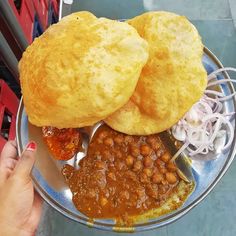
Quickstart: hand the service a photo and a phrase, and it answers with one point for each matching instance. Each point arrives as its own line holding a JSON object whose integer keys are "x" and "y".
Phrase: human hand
{"x": 20, "y": 205}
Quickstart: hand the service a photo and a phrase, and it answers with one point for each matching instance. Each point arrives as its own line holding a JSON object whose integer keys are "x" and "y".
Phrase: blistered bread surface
{"x": 80, "y": 70}
{"x": 172, "y": 80}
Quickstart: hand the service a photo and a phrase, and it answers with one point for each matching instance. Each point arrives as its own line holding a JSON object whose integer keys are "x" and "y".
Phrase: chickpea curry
{"x": 122, "y": 175}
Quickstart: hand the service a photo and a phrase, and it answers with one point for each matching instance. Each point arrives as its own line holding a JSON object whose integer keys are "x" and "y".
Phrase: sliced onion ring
{"x": 200, "y": 136}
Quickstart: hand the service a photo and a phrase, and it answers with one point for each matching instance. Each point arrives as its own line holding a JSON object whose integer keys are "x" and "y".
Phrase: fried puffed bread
{"x": 172, "y": 80}
{"x": 80, "y": 70}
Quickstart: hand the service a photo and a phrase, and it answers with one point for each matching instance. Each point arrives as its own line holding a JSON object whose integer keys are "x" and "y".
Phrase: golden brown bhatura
{"x": 81, "y": 70}
{"x": 172, "y": 80}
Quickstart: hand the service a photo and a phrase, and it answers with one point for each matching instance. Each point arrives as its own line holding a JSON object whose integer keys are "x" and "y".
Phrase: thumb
{"x": 26, "y": 161}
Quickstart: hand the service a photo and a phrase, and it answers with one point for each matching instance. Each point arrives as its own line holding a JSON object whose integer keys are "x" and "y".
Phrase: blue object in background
{"x": 38, "y": 30}
{"x": 52, "y": 17}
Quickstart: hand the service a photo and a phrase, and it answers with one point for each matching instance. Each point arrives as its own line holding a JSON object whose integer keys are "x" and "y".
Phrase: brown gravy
{"x": 122, "y": 176}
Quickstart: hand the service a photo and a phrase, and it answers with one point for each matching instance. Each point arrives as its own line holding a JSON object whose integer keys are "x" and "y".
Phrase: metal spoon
{"x": 182, "y": 161}
{"x": 87, "y": 134}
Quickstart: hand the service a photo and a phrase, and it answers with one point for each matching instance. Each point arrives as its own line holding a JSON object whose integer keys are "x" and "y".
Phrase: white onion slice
{"x": 185, "y": 145}
{"x": 205, "y": 123}
{"x": 213, "y": 92}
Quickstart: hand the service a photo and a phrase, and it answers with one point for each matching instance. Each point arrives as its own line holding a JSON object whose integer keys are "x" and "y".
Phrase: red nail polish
{"x": 31, "y": 146}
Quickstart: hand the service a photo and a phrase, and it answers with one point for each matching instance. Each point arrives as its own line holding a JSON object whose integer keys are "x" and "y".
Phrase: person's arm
{"x": 20, "y": 205}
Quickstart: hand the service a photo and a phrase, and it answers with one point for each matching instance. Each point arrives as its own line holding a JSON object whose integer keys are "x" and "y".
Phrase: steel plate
{"x": 50, "y": 184}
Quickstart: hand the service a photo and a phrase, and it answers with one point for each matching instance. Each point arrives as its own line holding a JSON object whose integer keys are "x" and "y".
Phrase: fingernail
{"x": 31, "y": 146}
